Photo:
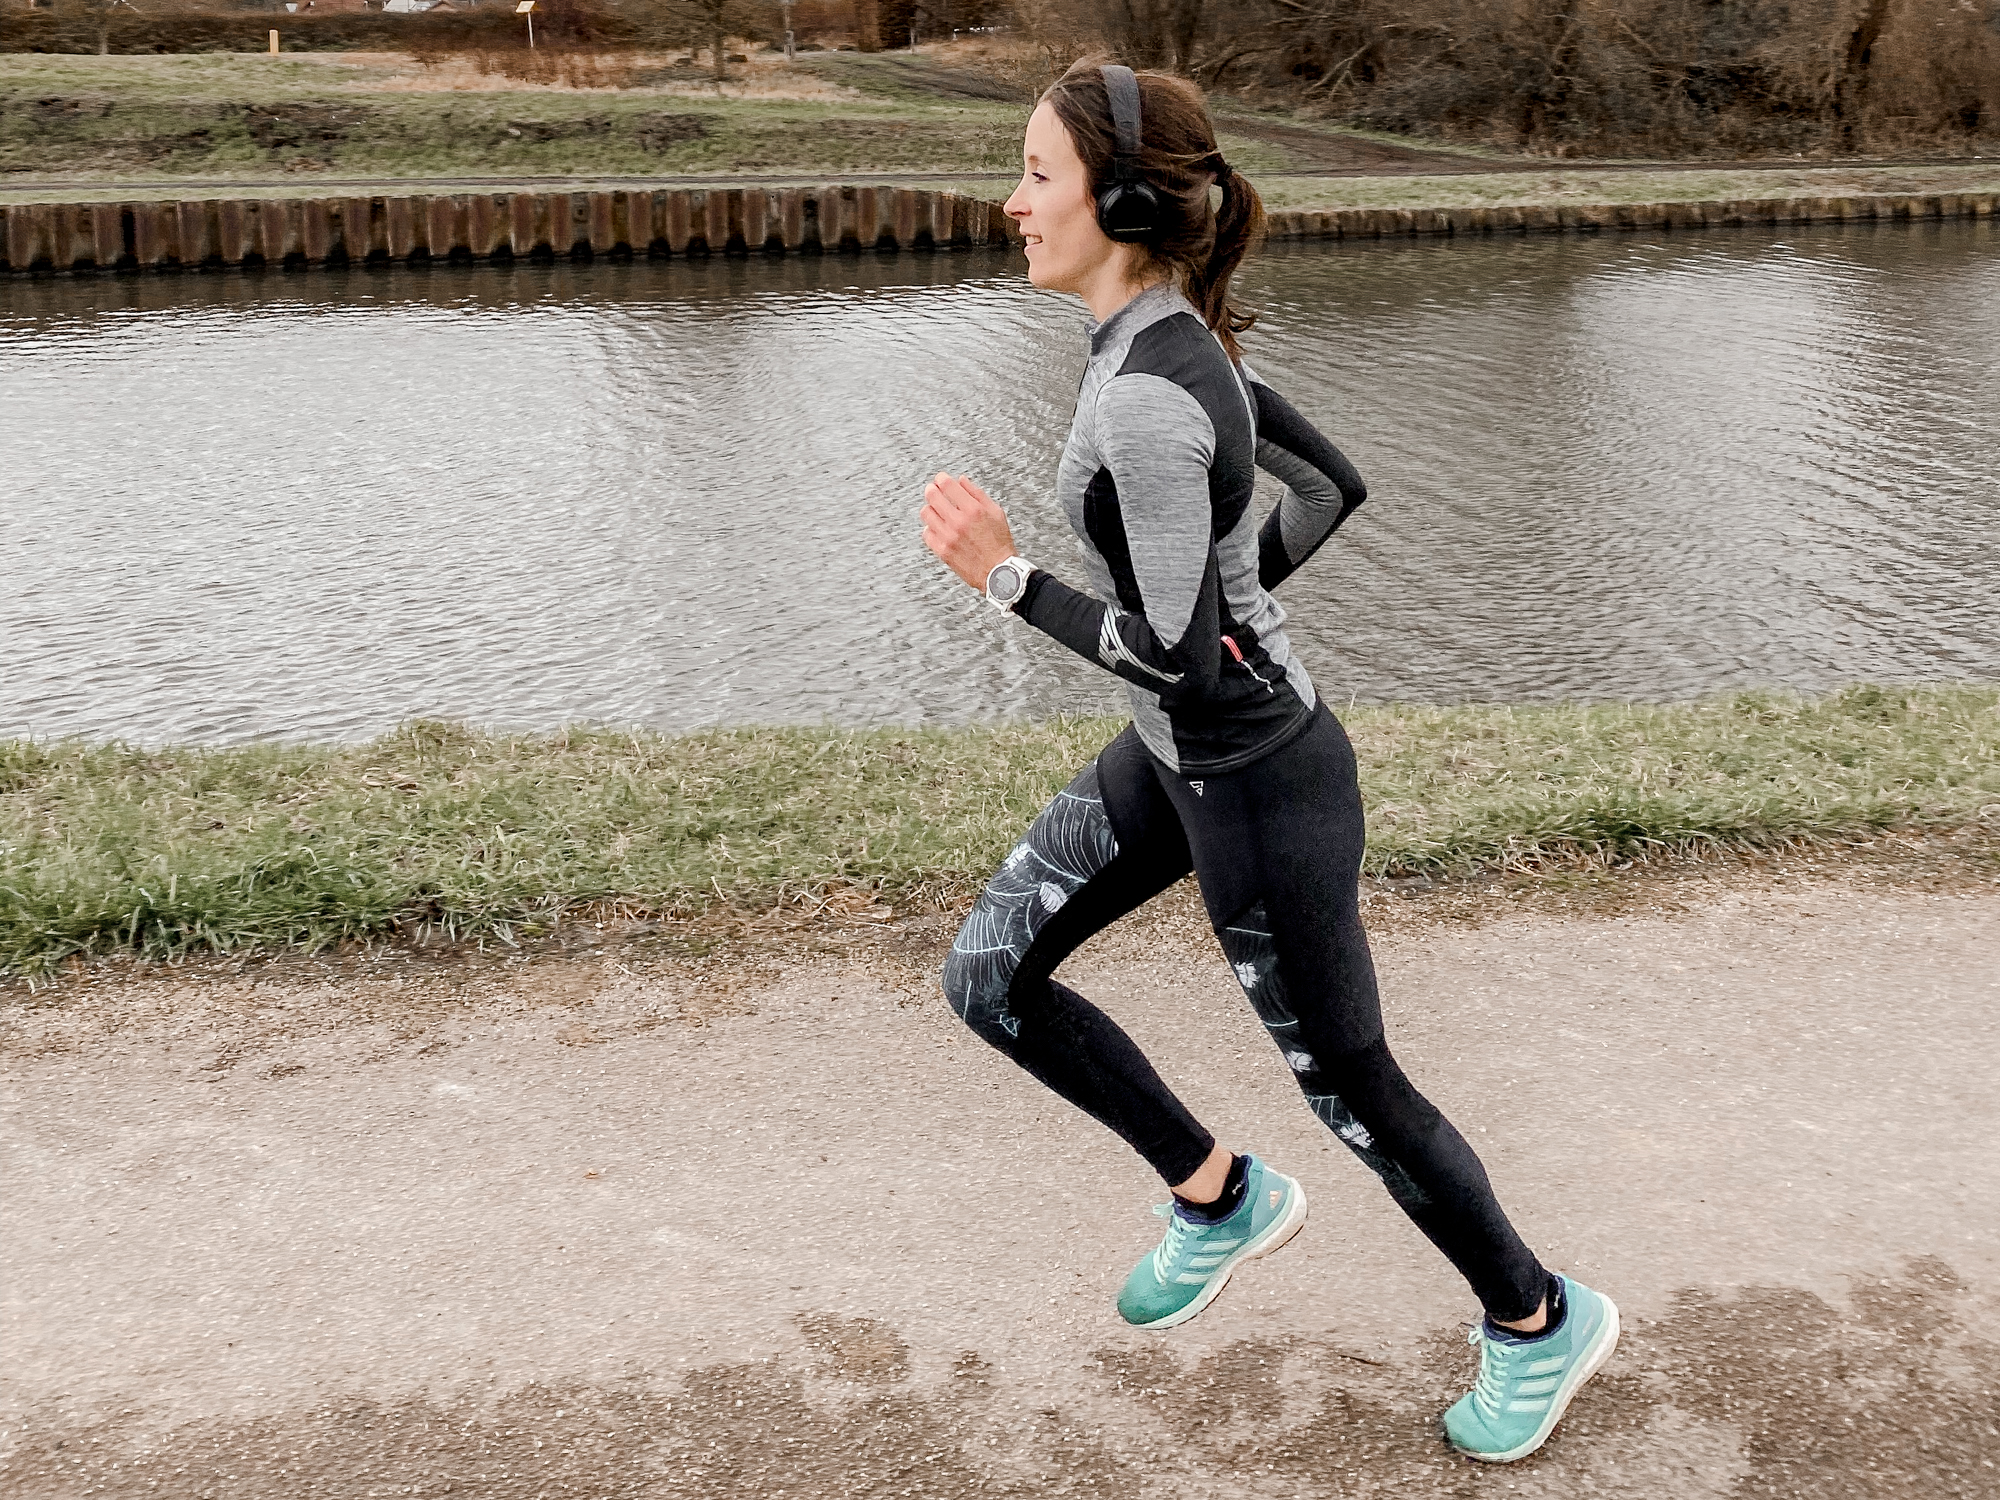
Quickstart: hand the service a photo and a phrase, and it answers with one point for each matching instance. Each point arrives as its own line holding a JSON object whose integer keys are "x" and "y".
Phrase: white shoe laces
{"x": 1178, "y": 1229}
{"x": 1492, "y": 1383}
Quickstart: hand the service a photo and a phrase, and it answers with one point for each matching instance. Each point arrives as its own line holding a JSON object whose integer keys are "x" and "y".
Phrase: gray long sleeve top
{"x": 1156, "y": 480}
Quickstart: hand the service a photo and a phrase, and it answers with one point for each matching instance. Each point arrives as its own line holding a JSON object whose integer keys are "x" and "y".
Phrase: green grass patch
{"x": 136, "y": 121}
{"x": 167, "y": 852}
{"x": 1666, "y": 185}
{"x": 415, "y": 135}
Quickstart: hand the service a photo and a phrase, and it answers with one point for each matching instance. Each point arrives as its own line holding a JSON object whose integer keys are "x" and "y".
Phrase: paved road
{"x": 584, "y": 1231}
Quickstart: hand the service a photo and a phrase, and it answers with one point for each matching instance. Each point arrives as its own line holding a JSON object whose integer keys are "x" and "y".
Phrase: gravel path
{"x": 595, "y": 1229}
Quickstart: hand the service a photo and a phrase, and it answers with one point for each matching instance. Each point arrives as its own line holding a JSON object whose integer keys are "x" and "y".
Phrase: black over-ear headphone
{"x": 1128, "y": 207}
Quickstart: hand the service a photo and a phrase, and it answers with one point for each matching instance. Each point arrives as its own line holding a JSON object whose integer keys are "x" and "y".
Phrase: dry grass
{"x": 550, "y": 70}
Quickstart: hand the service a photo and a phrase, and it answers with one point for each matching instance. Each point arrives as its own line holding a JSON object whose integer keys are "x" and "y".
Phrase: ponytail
{"x": 1239, "y": 224}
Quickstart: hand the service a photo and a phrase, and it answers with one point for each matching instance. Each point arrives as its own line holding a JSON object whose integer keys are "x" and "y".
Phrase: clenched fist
{"x": 964, "y": 526}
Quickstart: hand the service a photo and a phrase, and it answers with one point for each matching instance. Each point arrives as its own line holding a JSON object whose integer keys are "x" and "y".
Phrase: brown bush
{"x": 576, "y": 67}
{"x": 1716, "y": 77}
{"x": 73, "y": 27}
{"x": 127, "y": 31}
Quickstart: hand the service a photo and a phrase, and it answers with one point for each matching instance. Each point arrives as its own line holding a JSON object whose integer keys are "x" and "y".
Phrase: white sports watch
{"x": 1007, "y": 584}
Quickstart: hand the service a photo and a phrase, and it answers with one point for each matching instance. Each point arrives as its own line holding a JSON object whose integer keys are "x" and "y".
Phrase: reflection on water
{"x": 236, "y": 506}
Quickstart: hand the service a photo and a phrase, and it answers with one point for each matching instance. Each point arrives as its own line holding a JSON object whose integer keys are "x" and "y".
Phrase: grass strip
{"x": 107, "y": 848}
{"x": 1580, "y": 186}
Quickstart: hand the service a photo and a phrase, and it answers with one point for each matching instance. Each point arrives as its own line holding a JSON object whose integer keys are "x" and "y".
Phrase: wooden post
{"x": 274, "y": 44}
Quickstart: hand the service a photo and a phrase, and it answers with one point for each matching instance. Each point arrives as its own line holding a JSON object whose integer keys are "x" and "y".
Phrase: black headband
{"x": 1121, "y": 88}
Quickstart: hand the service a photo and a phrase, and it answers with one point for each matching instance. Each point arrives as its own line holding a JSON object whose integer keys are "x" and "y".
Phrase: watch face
{"x": 1005, "y": 584}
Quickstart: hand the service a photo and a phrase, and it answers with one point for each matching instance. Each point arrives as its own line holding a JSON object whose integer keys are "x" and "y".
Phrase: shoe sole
{"x": 1607, "y": 1343}
{"x": 1273, "y": 1238}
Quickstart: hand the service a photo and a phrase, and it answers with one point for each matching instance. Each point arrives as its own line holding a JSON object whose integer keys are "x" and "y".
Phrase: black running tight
{"x": 1277, "y": 850}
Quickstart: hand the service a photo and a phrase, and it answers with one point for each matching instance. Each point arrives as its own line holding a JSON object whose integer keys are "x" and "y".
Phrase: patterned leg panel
{"x": 1068, "y": 843}
{"x": 1253, "y": 953}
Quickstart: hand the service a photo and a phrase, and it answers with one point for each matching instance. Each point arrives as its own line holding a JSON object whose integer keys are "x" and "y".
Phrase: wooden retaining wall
{"x": 381, "y": 230}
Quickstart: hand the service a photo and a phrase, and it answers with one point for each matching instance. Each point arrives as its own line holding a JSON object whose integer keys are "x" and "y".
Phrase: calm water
{"x": 241, "y": 506}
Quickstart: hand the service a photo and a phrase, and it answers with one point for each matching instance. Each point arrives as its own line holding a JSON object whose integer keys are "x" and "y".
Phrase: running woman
{"x": 1232, "y": 767}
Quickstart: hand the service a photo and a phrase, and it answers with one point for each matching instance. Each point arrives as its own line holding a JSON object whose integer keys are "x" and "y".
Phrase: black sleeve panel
{"x": 1184, "y": 674}
{"x": 1322, "y": 487}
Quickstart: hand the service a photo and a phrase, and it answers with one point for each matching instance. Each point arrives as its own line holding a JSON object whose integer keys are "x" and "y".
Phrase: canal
{"x": 243, "y": 505}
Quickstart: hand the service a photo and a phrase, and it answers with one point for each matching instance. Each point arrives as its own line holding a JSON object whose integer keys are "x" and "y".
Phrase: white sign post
{"x": 527, "y": 8}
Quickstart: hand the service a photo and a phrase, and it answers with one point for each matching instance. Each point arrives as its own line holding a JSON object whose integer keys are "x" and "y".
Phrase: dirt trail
{"x": 583, "y": 1229}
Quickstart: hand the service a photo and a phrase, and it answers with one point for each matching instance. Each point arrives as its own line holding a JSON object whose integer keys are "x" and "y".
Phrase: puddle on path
{"x": 1765, "y": 1391}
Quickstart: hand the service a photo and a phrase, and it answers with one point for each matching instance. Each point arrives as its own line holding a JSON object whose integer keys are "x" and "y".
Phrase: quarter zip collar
{"x": 1154, "y": 302}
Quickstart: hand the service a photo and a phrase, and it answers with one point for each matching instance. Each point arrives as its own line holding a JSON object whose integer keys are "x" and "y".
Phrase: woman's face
{"x": 1054, "y": 207}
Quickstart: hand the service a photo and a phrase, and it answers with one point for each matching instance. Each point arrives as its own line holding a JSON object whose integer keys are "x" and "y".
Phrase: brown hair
{"x": 1200, "y": 244}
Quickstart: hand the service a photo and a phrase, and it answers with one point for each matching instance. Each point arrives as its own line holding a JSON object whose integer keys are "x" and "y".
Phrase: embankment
{"x": 441, "y": 829}
{"x": 581, "y": 225}
{"x": 415, "y": 229}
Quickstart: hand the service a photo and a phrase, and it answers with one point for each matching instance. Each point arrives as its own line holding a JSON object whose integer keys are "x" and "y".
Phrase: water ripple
{"x": 243, "y": 506}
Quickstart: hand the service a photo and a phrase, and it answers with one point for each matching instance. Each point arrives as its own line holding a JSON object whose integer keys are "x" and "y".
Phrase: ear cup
{"x": 1128, "y": 208}
{"x": 1129, "y": 211}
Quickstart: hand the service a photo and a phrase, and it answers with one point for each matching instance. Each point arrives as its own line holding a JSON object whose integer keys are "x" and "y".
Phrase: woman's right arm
{"x": 1321, "y": 486}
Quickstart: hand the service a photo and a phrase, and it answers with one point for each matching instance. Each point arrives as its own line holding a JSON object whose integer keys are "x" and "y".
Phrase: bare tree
{"x": 1850, "y": 90}
{"x": 712, "y": 22}
{"x": 1200, "y": 38}
{"x": 100, "y": 13}
{"x": 1155, "y": 33}
{"x": 1059, "y": 28}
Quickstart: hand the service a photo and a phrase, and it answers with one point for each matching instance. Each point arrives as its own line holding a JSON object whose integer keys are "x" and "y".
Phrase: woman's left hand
{"x": 964, "y": 526}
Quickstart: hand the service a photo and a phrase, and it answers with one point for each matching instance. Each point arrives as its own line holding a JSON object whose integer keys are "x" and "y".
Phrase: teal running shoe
{"x": 1192, "y": 1264}
{"x": 1524, "y": 1388}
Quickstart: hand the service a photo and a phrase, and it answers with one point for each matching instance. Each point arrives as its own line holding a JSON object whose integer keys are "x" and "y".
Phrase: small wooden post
{"x": 274, "y": 44}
